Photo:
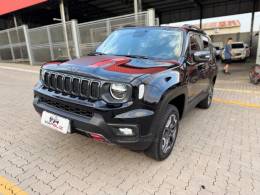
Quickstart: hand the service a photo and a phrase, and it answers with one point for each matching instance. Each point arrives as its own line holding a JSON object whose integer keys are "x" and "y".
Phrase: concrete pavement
{"x": 217, "y": 150}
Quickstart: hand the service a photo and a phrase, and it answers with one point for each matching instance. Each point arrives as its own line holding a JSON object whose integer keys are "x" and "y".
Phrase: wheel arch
{"x": 179, "y": 103}
{"x": 176, "y": 97}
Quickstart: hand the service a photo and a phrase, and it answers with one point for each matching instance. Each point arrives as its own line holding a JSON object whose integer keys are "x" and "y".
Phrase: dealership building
{"x": 36, "y": 31}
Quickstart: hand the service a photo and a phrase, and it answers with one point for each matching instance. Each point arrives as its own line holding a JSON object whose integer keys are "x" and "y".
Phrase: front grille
{"x": 67, "y": 107}
{"x": 72, "y": 85}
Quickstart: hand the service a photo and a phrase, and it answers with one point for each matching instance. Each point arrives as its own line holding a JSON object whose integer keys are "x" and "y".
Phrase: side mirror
{"x": 201, "y": 56}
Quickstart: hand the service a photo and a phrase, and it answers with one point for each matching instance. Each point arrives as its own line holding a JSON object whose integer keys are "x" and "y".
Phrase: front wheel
{"x": 166, "y": 135}
{"x": 252, "y": 78}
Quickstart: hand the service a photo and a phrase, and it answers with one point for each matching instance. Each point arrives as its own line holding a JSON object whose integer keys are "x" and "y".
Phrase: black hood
{"x": 121, "y": 69}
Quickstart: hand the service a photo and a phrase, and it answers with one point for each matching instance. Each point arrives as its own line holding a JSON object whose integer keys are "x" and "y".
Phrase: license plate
{"x": 55, "y": 122}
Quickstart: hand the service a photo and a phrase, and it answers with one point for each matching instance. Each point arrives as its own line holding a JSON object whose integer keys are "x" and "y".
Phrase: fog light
{"x": 126, "y": 131}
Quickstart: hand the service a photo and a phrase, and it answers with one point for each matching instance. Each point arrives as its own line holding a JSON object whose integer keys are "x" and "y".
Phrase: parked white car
{"x": 240, "y": 51}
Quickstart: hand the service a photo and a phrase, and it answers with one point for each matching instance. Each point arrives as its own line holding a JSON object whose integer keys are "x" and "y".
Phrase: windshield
{"x": 150, "y": 43}
{"x": 237, "y": 46}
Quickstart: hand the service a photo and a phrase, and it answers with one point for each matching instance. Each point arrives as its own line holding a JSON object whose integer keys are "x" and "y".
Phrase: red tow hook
{"x": 98, "y": 137}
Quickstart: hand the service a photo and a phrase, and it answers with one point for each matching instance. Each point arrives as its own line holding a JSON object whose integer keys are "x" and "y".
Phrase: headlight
{"x": 118, "y": 91}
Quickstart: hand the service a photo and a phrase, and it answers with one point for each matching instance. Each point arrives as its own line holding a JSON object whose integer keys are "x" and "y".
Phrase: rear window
{"x": 237, "y": 46}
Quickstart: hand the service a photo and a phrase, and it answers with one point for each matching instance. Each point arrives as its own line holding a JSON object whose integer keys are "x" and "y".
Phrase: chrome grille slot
{"x": 75, "y": 86}
{"x": 72, "y": 85}
{"x": 67, "y": 84}
{"x": 59, "y": 81}
{"x": 94, "y": 89}
{"x": 52, "y": 81}
{"x": 84, "y": 88}
{"x": 46, "y": 79}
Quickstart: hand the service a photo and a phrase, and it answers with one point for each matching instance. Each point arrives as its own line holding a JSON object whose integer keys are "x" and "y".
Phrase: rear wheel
{"x": 166, "y": 135}
{"x": 206, "y": 103}
{"x": 252, "y": 78}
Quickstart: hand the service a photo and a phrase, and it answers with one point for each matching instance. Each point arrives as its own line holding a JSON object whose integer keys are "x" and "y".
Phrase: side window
{"x": 207, "y": 46}
{"x": 205, "y": 42}
{"x": 194, "y": 43}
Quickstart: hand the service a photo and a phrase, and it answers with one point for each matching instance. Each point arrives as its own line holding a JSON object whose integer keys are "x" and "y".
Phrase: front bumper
{"x": 106, "y": 122}
{"x": 238, "y": 57}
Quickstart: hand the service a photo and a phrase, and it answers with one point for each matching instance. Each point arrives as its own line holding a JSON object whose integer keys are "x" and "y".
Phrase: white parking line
{"x": 19, "y": 69}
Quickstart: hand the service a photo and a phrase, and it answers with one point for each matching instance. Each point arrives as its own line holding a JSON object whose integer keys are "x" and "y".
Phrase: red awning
{"x": 7, "y": 6}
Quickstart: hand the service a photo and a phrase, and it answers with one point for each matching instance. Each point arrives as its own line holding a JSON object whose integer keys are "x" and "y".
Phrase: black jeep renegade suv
{"x": 133, "y": 89}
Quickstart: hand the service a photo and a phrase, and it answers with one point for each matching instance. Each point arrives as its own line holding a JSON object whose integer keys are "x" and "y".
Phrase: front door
{"x": 204, "y": 68}
{"x": 194, "y": 68}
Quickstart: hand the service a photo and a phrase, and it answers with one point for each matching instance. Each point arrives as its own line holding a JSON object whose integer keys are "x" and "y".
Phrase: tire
{"x": 252, "y": 79}
{"x": 166, "y": 135}
{"x": 206, "y": 103}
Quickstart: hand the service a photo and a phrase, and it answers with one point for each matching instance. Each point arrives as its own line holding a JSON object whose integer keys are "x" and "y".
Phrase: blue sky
{"x": 245, "y": 20}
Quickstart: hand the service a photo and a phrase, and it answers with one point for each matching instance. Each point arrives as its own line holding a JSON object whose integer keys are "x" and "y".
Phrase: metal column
{"x": 75, "y": 36}
{"x": 252, "y": 23}
{"x": 50, "y": 42}
{"x": 63, "y": 19}
{"x": 151, "y": 17}
{"x": 28, "y": 44}
{"x": 137, "y": 8}
{"x": 11, "y": 46}
{"x": 198, "y": 3}
{"x": 201, "y": 15}
{"x": 17, "y": 34}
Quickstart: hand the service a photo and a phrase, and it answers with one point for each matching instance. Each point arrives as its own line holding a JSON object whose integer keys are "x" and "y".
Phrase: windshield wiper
{"x": 96, "y": 54}
{"x": 130, "y": 56}
{"x": 137, "y": 56}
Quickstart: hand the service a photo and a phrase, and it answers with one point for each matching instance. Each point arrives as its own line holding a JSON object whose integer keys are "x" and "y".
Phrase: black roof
{"x": 184, "y": 27}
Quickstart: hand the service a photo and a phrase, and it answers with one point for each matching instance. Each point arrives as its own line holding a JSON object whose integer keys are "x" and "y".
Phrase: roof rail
{"x": 193, "y": 28}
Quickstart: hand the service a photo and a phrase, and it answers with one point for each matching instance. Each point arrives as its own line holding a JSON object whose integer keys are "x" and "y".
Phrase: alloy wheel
{"x": 210, "y": 95}
{"x": 169, "y": 134}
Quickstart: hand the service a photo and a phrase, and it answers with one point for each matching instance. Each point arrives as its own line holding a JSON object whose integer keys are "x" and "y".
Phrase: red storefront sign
{"x": 7, "y": 6}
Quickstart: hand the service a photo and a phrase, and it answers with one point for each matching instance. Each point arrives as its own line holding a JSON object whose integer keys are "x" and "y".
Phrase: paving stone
{"x": 216, "y": 152}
